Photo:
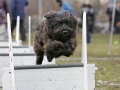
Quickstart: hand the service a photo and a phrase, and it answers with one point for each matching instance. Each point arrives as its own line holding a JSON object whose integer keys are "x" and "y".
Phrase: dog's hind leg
{"x": 39, "y": 54}
{"x": 39, "y": 58}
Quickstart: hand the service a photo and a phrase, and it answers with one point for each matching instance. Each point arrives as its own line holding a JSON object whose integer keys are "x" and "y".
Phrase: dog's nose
{"x": 65, "y": 32}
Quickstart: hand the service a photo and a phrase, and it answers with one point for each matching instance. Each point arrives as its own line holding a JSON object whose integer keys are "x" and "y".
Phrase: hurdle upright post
{"x": 29, "y": 29}
{"x": 84, "y": 52}
{"x": 112, "y": 27}
{"x": 40, "y": 11}
{"x": 18, "y": 30}
{"x": 11, "y": 62}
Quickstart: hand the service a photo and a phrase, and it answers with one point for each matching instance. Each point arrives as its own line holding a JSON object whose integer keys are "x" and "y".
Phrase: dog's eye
{"x": 72, "y": 24}
{"x": 52, "y": 27}
{"x": 61, "y": 23}
{"x": 66, "y": 22}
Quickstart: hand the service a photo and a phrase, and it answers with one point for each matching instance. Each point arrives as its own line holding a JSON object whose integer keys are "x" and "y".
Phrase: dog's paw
{"x": 54, "y": 48}
{"x": 68, "y": 51}
{"x": 39, "y": 60}
{"x": 50, "y": 58}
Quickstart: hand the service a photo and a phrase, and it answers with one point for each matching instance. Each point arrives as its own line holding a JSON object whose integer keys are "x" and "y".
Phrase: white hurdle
{"x": 20, "y": 60}
{"x": 18, "y": 48}
{"x": 53, "y": 77}
{"x": 17, "y": 41}
{"x": 22, "y": 55}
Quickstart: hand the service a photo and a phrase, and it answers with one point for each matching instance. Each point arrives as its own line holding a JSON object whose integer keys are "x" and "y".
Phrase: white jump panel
{"x": 17, "y": 49}
{"x": 19, "y": 60}
{"x": 54, "y": 77}
{"x": 14, "y": 43}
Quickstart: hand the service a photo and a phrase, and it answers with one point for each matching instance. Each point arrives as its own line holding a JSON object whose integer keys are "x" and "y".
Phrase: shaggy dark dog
{"x": 55, "y": 36}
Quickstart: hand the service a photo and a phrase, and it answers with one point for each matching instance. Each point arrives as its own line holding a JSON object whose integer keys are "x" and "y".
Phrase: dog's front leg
{"x": 53, "y": 49}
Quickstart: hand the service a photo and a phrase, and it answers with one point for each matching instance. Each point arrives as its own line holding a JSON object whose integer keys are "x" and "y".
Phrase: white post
{"x": 112, "y": 28}
{"x": 11, "y": 62}
{"x": 18, "y": 30}
{"x": 84, "y": 52}
{"x": 40, "y": 11}
{"x": 29, "y": 27}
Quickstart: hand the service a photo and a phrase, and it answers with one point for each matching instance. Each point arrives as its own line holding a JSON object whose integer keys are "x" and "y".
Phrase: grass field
{"x": 99, "y": 46}
{"x": 108, "y": 73}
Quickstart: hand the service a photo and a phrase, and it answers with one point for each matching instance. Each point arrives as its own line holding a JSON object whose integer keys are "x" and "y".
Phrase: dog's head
{"x": 60, "y": 25}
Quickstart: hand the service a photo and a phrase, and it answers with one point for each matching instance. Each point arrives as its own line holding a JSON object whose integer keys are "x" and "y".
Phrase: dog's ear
{"x": 73, "y": 17}
{"x": 50, "y": 15}
{"x": 73, "y": 20}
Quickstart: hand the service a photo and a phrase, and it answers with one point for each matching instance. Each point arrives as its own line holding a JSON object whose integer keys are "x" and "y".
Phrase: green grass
{"x": 99, "y": 46}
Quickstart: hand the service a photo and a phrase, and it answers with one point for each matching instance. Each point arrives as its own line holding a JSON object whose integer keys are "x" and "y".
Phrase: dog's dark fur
{"x": 55, "y": 36}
